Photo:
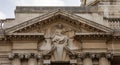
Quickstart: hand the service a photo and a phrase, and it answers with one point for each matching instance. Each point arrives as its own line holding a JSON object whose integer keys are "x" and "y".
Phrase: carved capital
{"x": 46, "y": 57}
{"x": 26, "y": 56}
{"x": 31, "y": 55}
{"x": 94, "y": 55}
{"x": 15, "y": 55}
{"x": 39, "y": 57}
{"x": 11, "y": 56}
{"x": 109, "y": 56}
{"x": 22, "y": 55}
{"x": 89, "y": 55}
{"x": 73, "y": 56}
{"x": 80, "y": 56}
{"x": 106, "y": 55}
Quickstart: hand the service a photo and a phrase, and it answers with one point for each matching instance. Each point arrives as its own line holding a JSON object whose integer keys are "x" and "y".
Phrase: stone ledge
{"x": 41, "y": 9}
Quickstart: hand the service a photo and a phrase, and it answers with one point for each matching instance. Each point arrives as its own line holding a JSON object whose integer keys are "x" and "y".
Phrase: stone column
{"x": 87, "y": 59}
{"x": 104, "y": 59}
{"x": 109, "y": 62}
{"x": 16, "y": 60}
{"x": 46, "y": 60}
{"x": 79, "y": 59}
{"x": 40, "y": 61}
{"x": 32, "y": 60}
{"x": 73, "y": 60}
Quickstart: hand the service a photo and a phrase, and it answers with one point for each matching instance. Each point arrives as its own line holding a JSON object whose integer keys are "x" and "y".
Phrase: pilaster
{"x": 32, "y": 60}
{"x": 40, "y": 60}
{"x": 87, "y": 60}
{"x": 15, "y": 59}
{"x": 104, "y": 58}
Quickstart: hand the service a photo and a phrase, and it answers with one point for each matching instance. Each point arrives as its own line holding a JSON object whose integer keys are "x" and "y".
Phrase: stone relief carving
{"x": 58, "y": 43}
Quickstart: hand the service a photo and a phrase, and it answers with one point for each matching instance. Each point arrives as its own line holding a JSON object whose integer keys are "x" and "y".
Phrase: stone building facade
{"x": 76, "y": 35}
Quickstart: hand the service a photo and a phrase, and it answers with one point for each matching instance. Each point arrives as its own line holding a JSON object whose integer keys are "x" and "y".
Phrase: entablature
{"x": 94, "y": 36}
{"x": 24, "y": 36}
{"x": 105, "y": 36}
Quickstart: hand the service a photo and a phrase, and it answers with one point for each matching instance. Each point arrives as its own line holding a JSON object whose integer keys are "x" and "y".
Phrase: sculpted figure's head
{"x": 59, "y": 29}
{"x": 60, "y": 26}
{"x": 58, "y": 32}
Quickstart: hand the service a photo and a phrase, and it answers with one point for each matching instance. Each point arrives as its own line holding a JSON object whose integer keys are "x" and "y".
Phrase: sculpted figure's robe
{"x": 59, "y": 41}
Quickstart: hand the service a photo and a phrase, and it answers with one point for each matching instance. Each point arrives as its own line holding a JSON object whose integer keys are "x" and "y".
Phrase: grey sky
{"x": 7, "y": 7}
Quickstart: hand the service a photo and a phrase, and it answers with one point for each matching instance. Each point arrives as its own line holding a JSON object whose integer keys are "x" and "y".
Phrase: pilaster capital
{"x": 89, "y": 55}
{"x": 109, "y": 55}
{"x": 105, "y": 55}
{"x": 11, "y": 56}
{"x": 39, "y": 57}
{"x": 73, "y": 56}
{"x": 94, "y": 55}
{"x": 22, "y": 55}
{"x": 26, "y": 56}
{"x": 46, "y": 57}
{"x": 32, "y": 55}
{"x": 15, "y": 55}
{"x": 80, "y": 56}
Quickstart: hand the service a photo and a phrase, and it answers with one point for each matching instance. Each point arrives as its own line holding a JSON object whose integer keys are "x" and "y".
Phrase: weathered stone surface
{"x": 86, "y": 35}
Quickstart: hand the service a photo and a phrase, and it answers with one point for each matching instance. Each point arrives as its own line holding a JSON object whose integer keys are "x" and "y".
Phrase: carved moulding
{"x": 24, "y": 56}
{"x": 94, "y": 55}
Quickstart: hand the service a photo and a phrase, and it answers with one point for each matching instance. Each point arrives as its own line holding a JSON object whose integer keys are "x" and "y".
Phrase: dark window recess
{"x": 60, "y": 63}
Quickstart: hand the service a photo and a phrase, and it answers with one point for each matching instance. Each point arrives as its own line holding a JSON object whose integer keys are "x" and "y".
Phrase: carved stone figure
{"x": 59, "y": 41}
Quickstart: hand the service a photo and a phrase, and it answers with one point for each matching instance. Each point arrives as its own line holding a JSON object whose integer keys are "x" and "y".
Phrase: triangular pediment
{"x": 72, "y": 21}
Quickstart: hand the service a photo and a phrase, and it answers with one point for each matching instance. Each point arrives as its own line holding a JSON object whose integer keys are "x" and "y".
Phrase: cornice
{"x": 80, "y": 20}
{"x": 30, "y": 22}
{"x": 24, "y": 36}
{"x": 93, "y": 3}
{"x": 42, "y": 9}
{"x": 95, "y": 36}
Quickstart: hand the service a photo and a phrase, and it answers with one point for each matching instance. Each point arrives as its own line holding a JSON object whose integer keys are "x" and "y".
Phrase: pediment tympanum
{"x": 59, "y": 42}
{"x": 41, "y": 23}
{"x": 59, "y": 29}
